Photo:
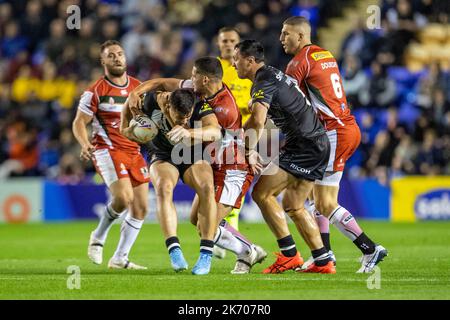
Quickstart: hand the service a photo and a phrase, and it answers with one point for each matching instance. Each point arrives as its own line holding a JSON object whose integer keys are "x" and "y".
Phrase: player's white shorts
{"x": 231, "y": 186}
{"x": 343, "y": 143}
{"x": 113, "y": 165}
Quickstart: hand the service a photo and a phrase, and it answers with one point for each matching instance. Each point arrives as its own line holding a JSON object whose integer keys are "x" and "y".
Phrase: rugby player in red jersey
{"x": 301, "y": 161}
{"x": 232, "y": 176}
{"x": 117, "y": 160}
{"x": 317, "y": 74}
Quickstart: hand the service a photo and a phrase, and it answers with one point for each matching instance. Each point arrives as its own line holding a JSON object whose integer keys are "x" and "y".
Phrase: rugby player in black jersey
{"x": 302, "y": 160}
{"x": 175, "y": 113}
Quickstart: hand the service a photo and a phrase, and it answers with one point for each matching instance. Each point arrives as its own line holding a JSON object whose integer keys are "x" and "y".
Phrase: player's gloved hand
{"x": 255, "y": 161}
{"x": 179, "y": 133}
{"x": 86, "y": 151}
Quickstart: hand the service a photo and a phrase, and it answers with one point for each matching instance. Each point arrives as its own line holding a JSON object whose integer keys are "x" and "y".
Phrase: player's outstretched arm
{"x": 165, "y": 84}
{"x": 209, "y": 131}
{"x": 80, "y": 132}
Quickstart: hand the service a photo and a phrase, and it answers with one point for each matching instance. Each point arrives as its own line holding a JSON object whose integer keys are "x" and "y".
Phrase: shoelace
{"x": 277, "y": 264}
{"x": 205, "y": 257}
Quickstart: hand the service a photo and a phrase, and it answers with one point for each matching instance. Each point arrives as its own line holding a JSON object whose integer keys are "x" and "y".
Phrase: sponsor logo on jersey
{"x": 221, "y": 110}
{"x": 123, "y": 92}
{"x": 321, "y": 55}
{"x": 327, "y": 65}
{"x": 258, "y": 94}
{"x": 300, "y": 169}
{"x": 205, "y": 107}
{"x": 433, "y": 205}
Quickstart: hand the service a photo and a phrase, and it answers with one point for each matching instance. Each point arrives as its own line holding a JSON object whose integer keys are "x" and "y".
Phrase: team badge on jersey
{"x": 123, "y": 169}
{"x": 123, "y": 92}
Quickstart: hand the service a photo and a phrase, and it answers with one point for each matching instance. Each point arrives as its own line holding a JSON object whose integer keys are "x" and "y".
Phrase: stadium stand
{"x": 397, "y": 77}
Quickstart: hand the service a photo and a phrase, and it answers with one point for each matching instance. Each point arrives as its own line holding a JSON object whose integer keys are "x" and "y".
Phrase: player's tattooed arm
{"x": 165, "y": 84}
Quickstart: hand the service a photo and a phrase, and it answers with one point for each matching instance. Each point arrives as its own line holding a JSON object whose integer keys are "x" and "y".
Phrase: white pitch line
{"x": 355, "y": 280}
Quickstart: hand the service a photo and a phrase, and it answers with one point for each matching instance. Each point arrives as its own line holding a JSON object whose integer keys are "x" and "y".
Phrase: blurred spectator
{"x": 404, "y": 155}
{"x": 85, "y": 37}
{"x": 5, "y": 15}
{"x": 360, "y": 42}
{"x": 13, "y": 42}
{"x": 403, "y": 23}
{"x": 353, "y": 79}
{"x": 186, "y": 12}
{"x": 47, "y": 89}
{"x": 68, "y": 170}
{"x": 24, "y": 86}
{"x": 137, "y": 38}
{"x": 22, "y": 150}
{"x": 44, "y": 67}
{"x": 439, "y": 108}
{"x": 110, "y": 30}
{"x": 57, "y": 41}
{"x": 308, "y": 9}
{"x": 430, "y": 155}
{"x": 33, "y": 23}
{"x": 380, "y": 90}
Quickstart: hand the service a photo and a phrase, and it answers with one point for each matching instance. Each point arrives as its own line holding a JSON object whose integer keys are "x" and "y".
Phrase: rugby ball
{"x": 145, "y": 129}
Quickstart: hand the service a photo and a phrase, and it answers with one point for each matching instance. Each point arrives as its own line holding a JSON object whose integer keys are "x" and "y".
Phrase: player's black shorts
{"x": 182, "y": 166}
{"x": 306, "y": 159}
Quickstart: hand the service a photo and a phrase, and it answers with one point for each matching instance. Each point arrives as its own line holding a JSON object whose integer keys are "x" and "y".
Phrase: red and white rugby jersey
{"x": 224, "y": 105}
{"x": 317, "y": 74}
{"x": 104, "y": 101}
{"x": 230, "y": 153}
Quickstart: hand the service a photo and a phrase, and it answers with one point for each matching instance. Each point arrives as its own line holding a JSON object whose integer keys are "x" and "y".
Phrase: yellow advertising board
{"x": 420, "y": 198}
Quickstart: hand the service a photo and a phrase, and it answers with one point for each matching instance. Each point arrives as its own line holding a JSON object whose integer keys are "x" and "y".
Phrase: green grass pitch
{"x": 34, "y": 260}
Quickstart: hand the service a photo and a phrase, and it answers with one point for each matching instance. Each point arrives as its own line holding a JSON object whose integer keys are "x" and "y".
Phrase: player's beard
{"x": 117, "y": 71}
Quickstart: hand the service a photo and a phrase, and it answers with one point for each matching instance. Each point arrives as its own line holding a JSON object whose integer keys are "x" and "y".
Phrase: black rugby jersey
{"x": 153, "y": 111}
{"x": 289, "y": 109}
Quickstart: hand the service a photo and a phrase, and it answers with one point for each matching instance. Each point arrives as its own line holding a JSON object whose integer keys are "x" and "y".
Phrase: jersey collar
{"x": 115, "y": 84}
{"x": 216, "y": 94}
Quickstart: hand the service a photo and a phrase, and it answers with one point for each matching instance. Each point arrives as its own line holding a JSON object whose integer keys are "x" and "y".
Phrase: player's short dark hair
{"x": 209, "y": 66}
{"x": 251, "y": 48}
{"x": 182, "y": 100}
{"x": 229, "y": 29}
{"x": 109, "y": 43}
{"x": 296, "y": 20}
